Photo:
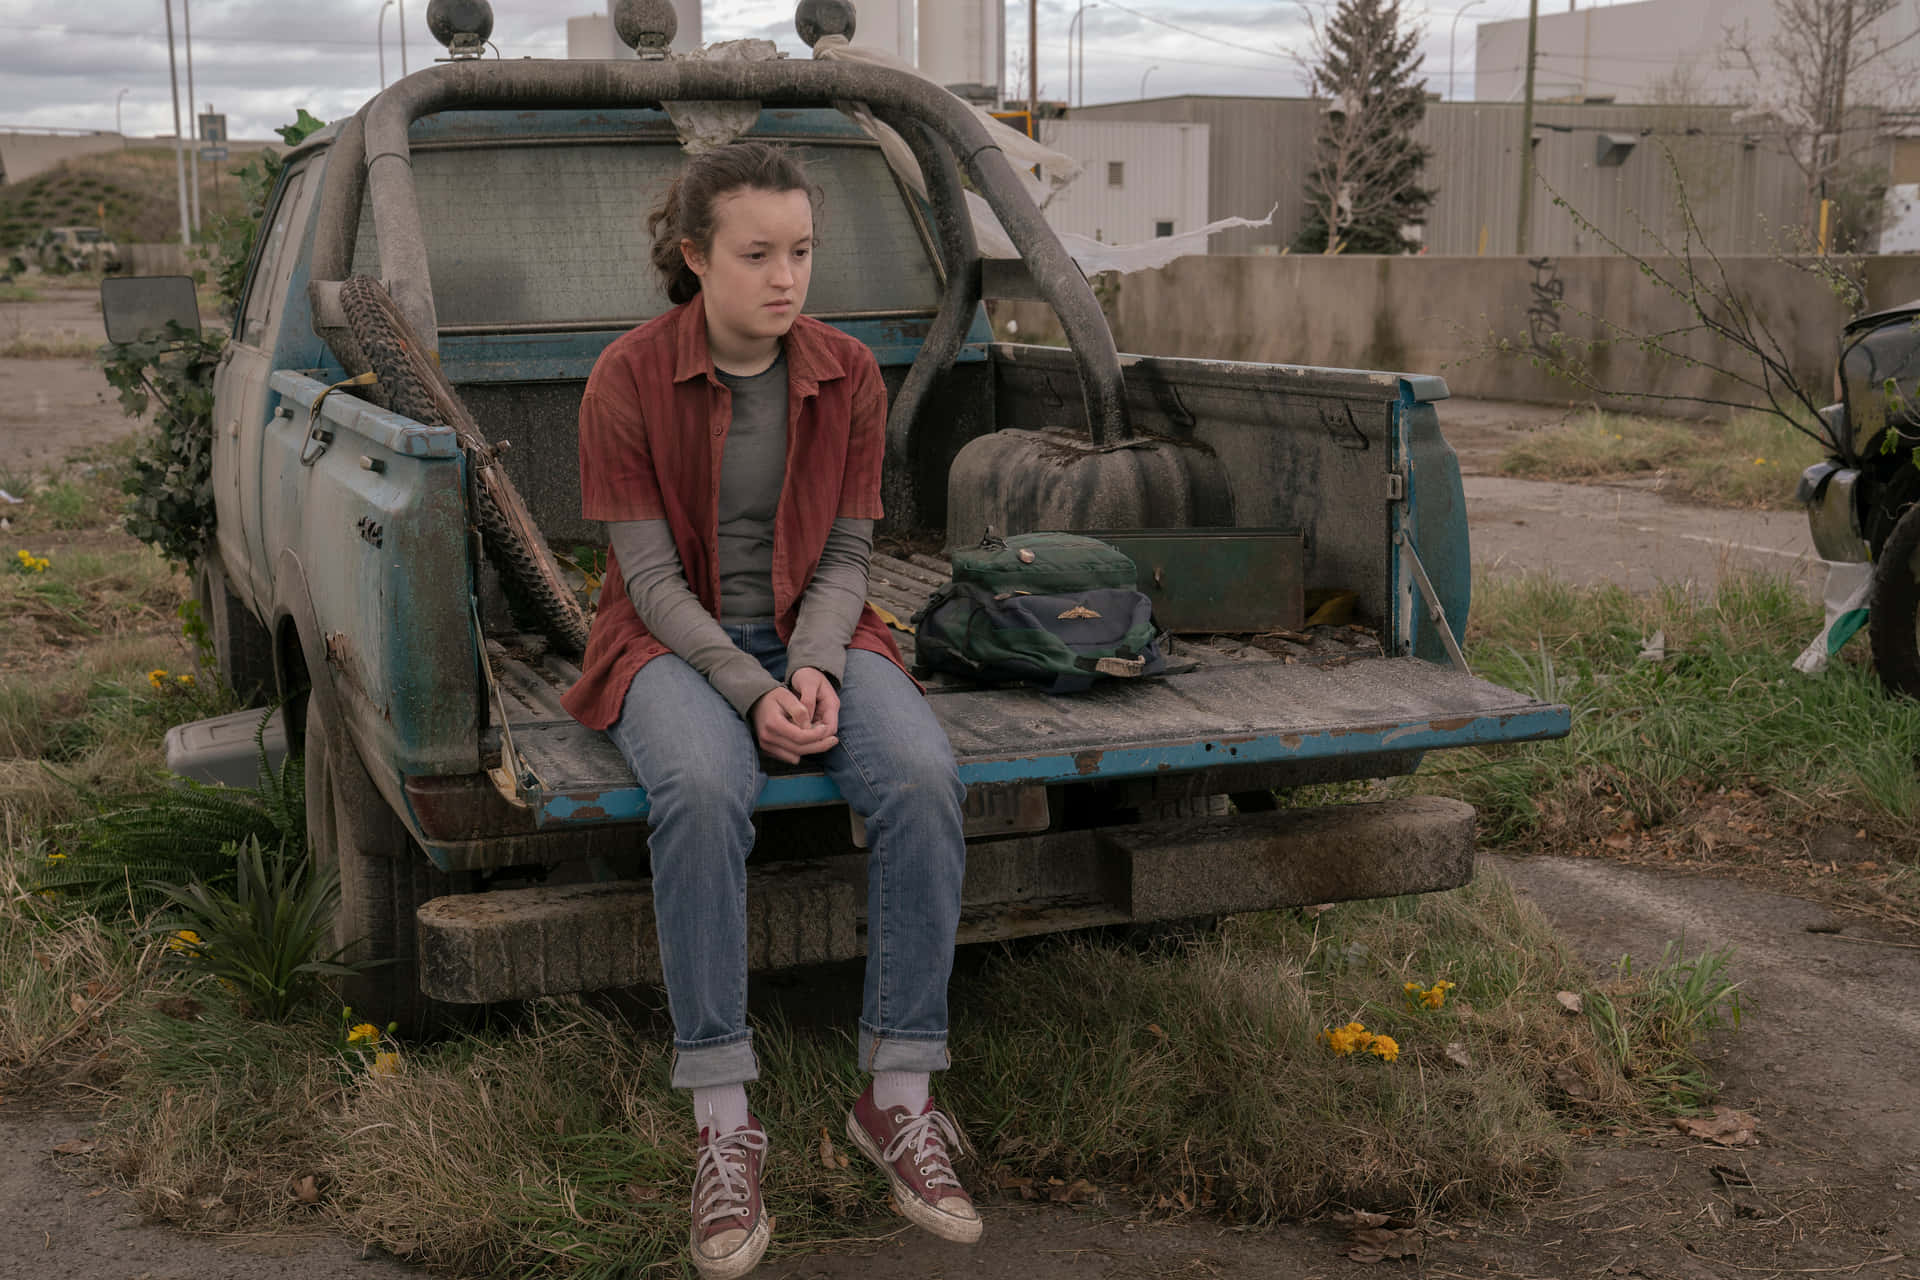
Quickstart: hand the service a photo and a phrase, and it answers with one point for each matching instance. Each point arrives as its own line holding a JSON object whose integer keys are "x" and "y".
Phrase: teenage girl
{"x": 733, "y": 448}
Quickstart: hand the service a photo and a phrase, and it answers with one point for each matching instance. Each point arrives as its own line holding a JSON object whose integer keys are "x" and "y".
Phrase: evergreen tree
{"x": 1365, "y": 183}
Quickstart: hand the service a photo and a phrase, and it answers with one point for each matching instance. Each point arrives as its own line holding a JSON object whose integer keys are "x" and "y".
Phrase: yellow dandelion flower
{"x": 183, "y": 940}
{"x": 365, "y": 1031}
{"x": 1432, "y": 997}
{"x": 1385, "y": 1048}
{"x": 56, "y": 857}
{"x": 1347, "y": 1039}
{"x": 386, "y": 1063}
{"x": 157, "y": 677}
{"x": 1759, "y": 462}
{"x": 185, "y": 682}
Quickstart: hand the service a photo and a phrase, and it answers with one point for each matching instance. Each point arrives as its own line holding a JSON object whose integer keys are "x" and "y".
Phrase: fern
{"x": 107, "y": 861}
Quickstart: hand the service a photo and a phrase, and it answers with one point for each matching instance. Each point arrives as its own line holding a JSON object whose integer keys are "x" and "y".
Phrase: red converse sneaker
{"x": 913, "y": 1152}
{"x": 730, "y": 1229}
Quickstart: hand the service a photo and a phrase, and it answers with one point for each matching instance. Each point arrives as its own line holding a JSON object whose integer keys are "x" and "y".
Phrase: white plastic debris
{"x": 10, "y": 499}
{"x": 1095, "y": 257}
{"x": 1848, "y": 587}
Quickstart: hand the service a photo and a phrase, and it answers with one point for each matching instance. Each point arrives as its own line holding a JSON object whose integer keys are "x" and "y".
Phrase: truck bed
{"x": 1326, "y": 706}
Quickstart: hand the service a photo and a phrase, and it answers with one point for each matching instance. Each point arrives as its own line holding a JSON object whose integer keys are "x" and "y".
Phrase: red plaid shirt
{"x": 653, "y": 427}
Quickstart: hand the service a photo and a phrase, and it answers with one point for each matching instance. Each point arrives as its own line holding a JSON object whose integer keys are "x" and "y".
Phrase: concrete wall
{"x": 1441, "y": 315}
{"x": 23, "y": 155}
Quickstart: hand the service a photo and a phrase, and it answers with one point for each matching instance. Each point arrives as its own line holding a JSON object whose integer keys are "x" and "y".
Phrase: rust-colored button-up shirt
{"x": 653, "y": 426}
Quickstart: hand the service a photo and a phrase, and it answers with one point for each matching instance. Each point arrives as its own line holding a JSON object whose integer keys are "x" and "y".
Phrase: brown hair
{"x": 687, "y": 212}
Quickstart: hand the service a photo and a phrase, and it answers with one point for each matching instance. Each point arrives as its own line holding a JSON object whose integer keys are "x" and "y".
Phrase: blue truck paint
{"x": 799, "y": 790}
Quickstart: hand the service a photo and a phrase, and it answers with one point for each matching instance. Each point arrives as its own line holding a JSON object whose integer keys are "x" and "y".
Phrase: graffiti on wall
{"x": 1543, "y": 310}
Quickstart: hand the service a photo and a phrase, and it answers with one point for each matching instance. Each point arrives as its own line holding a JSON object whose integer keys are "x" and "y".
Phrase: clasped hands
{"x": 800, "y": 719}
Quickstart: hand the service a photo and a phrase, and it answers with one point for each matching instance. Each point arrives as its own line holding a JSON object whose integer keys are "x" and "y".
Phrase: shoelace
{"x": 720, "y": 1186}
{"x": 927, "y": 1136}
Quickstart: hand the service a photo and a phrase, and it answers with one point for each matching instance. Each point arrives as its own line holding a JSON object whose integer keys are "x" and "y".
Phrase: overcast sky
{"x": 63, "y": 64}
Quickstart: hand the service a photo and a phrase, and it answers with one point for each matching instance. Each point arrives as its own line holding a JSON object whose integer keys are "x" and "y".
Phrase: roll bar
{"x": 372, "y": 153}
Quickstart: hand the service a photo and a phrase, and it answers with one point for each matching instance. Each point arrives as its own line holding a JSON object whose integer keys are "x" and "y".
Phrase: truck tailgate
{"x": 1236, "y": 710}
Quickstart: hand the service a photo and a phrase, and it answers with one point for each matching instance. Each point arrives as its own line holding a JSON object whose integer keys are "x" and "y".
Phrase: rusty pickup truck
{"x": 430, "y": 288}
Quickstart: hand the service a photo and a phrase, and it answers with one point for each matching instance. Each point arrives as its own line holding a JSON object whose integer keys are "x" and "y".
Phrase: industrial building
{"x": 1608, "y": 161}
{"x": 1663, "y": 51}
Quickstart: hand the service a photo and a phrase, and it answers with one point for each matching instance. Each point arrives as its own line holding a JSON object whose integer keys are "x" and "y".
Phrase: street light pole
{"x": 1453, "y": 31}
{"x": 1143, "y": 78}
{"x": 1525, "y": 213}
{"x": 116, "y": 115}
{"x": 193, "y": 107}
{"x": 1078, "y": 96}
{"x": 403, "y": 38}
{"x": 179, "y": 160}
{"x": 380, "y": 38}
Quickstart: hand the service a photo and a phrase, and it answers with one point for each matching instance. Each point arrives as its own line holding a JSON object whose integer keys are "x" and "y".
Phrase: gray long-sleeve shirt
{"x": 829, "y": 611}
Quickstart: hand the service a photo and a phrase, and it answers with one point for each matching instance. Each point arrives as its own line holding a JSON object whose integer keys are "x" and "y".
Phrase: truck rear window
{"x": 555, "y": 233}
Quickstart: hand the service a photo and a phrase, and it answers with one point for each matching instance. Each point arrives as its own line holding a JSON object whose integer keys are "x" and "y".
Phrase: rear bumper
{"x": 511, "y": 945}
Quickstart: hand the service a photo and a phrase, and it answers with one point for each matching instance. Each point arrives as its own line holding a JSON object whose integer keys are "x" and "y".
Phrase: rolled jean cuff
{"x": 903, "y": 1050}
{"x": 712, "y": 1063}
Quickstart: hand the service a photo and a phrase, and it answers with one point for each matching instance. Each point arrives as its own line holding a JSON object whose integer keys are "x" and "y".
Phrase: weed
{"x": 1750, "y": 460}
{"x": 18, "y": 293}
{"x": 263, "y": 940}
{"x": 68, "y": 505}
{"x": 1721, "y": 710}
{"x": 33, "y": 344}
{"x": 110, "y": 859}
{"x": 1651, "y": 1022}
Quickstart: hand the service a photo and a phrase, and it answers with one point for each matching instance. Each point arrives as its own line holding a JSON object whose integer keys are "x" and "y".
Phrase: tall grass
{"x": 1749, "y": 460}
{"x": 1722, "y": 709}
{"x": 1190, "y": 1075}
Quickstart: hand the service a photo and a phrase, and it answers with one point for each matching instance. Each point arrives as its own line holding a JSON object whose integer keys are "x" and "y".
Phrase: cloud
{"x": 62, "y": 65}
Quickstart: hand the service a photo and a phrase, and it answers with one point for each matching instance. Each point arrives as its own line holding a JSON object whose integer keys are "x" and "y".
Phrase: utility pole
{"x": 403, "y": 39}
{"x": 1526, "y": 134}
{"x": 1033, "y": 68}
{"x": 179, "y": 160}
{"x": 193, "y": 152}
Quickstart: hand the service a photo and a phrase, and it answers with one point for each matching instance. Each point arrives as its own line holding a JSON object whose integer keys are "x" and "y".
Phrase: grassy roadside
{"x": 1695, "y": 743}
{"x": 1196, "y": 1077}
{"x": 1185, "y": 1078}
{"x": 1750, "y": 460}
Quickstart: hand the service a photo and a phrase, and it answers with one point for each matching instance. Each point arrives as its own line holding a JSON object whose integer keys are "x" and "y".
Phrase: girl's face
{"x": 756, "y": 276}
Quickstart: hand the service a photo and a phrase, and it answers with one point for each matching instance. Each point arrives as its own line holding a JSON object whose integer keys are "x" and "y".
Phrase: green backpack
{"x": 1054, "y": 610}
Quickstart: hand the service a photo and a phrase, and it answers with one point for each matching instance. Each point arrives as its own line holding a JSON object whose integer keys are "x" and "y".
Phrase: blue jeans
{"x": 701, "y": 767}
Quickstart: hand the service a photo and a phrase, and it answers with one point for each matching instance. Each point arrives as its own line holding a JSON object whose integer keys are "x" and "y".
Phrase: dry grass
{"x": 1183, "y": 1077}
{"x": 1751, "y": 460}
{"x": 48, "y": 344}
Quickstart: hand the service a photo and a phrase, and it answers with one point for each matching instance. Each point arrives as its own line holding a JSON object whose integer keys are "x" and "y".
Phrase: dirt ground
{"x": 1828, "y": 1059}
{"x": 50, "y": 409}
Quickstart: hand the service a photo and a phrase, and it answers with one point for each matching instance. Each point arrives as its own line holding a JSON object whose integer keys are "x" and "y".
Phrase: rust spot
{"x": 1292, "y": 741}
{"x": 1088, "y": 762}
{"x": 1450, "y": 725}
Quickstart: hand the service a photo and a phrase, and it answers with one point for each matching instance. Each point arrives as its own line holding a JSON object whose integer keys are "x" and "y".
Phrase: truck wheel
{"x": 1893, "y": 612}
{"x": 384, "y": 879}
{"x": 242, "y": 648}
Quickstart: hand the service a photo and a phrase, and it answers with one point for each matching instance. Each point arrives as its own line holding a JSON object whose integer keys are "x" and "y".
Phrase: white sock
{"x": 901, "y": 1089}
{"x": 721, "y": 1109}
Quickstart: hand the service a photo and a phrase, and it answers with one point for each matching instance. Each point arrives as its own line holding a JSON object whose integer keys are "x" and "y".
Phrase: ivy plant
{"x": 170, "y": 483}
